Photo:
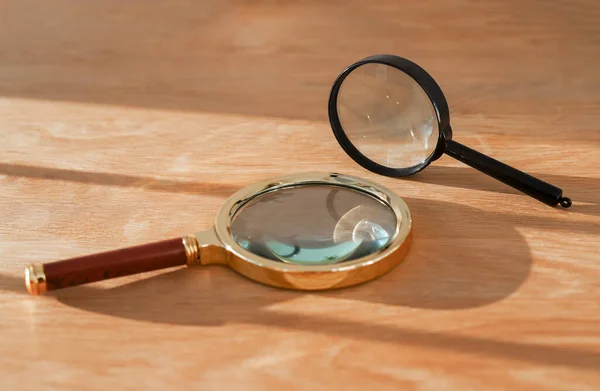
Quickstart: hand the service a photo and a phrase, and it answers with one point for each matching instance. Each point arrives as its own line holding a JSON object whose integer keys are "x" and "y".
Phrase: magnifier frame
{"x": 530, "y": 185}
{"x": 313, "y": 277}
{"x": 427, "y": 83}
{"x": 218, "y": 246}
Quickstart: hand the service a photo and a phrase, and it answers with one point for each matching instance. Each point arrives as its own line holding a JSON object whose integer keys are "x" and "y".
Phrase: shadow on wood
{"x": 205, "y": 298}
{"x": 447, "y": 268}
{"x": 583, "y": 191}
{"x": 462, "y": 257}
{"x": 205, "y": 56}
{"x": 120, "y": 180}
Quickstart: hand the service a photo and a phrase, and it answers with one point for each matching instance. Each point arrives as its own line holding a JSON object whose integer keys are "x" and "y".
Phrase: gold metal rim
{"x": 315, "y": 277}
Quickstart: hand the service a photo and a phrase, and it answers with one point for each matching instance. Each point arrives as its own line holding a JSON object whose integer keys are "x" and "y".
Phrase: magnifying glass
{"x": 392, "y": 118}
{"x": 309, "y": 231}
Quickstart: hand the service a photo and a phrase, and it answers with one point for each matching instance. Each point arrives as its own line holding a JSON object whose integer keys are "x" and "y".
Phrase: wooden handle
{"x": 102, "y": 266}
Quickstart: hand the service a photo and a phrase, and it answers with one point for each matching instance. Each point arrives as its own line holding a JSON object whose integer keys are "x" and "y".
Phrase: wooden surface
{"x": 125, "y": 122}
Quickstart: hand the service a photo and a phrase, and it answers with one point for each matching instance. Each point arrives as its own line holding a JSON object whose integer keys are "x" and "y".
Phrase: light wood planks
{"x": 124, "y": 122}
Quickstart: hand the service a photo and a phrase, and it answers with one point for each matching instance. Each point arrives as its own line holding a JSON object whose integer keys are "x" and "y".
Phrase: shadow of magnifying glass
{"x": 461, "y": 257}
{"x": 484, "y": 261}
{"x": 217, "y": 296}
{"x": 583, "y": 190}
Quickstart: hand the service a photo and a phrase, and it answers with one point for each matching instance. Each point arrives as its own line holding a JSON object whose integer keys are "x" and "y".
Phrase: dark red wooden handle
{"x": 117, "y": 263}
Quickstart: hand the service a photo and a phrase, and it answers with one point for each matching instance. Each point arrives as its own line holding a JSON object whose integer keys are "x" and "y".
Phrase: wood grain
{"x": 127, "y": 122}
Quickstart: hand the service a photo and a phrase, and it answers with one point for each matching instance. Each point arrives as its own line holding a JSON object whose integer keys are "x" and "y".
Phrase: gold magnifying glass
{"x": 310, "y": 231}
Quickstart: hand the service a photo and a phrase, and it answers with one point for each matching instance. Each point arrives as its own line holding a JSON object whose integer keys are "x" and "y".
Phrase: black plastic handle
{"x": 538, "y": 189}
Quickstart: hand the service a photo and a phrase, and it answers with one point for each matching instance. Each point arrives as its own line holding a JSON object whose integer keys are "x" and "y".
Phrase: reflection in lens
{"x": 314, "y": 225}
{"x": 387, "y": 116}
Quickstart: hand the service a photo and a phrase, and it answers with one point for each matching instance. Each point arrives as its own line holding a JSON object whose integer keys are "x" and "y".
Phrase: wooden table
{"x": 124, "y": 122}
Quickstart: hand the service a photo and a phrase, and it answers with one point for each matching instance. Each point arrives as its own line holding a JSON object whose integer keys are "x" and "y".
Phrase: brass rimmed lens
{"x": 314, "y": 231}
{"x": 307, "y": 231}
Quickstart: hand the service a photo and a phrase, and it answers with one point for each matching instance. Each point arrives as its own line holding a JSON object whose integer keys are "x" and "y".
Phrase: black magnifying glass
{"x": 391, "y": 117}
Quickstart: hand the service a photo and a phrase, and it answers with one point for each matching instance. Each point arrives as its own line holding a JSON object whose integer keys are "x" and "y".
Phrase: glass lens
{"x": 387, "y": 116}
{"x": 314, "y": 225}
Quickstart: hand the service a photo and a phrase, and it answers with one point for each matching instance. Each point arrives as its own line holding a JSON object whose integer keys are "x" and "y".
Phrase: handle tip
{"x": 35, "y": 279}
{"x": 565, "y": 202}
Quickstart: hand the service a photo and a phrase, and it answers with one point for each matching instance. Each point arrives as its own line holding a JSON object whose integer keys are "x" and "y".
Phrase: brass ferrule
{"x": 204, "y": 249}
{"x": 35, "y": 279}
{"x": 192, "y": 250}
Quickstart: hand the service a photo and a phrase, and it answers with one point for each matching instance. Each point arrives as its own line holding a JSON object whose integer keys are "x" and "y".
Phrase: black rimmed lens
{"x": 392, "y": 118}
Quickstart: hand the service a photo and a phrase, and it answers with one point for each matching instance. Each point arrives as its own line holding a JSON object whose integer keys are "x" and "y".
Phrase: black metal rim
{"x": 426, "y": 82}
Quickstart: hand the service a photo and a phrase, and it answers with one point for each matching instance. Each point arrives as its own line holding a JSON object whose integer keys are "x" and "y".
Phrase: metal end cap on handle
{"x": 565, "y": 202}
{"x": 35, "y": 279}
